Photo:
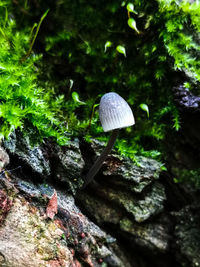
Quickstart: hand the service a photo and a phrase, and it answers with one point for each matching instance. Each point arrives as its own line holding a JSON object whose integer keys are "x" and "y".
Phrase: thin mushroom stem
{"x": 98, "y": 163}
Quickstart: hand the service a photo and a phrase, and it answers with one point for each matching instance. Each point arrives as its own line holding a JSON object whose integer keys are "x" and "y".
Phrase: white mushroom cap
{"x": 114, "y": 112}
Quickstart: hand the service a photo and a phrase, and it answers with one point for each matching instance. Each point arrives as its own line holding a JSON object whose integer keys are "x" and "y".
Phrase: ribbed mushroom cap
{"x": 114, "y": 112}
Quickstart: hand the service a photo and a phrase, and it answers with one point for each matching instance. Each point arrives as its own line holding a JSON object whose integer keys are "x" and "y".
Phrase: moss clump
{"x": 180, "y": 34}
{"x": 140, "y": 54}
{"x": 23, "y": 104}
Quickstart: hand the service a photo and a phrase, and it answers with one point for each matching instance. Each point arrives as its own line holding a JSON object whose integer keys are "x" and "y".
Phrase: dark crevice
{"x": 21, "y": 169}
{"x": 176, "y": 198}
{"x": 86, "y": 150}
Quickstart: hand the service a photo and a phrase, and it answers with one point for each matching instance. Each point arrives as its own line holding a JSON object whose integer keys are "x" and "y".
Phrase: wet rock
{"x": 127, "y": 199}
{"x": 155, "y": 236}
{"x": 122, "y": 183}
{"x": 187, "y": 232}
{"x": 121, "y": 171}
{"x": 189, "y": 108}
{"x": 140, "y": 208}
{"x": 26, "y": 238}
{"x": 125, "y": 195}
{"x": 70, "y": 238}
{"x": 20, "y": 148}
{"x": 67, "y": 164}
{"x": 151, "y": 235}
{"x": 185, "y": 100}
{"x": 5, "y": 206}
{"x": 49, "y": 160}
{"x": 4, "y": 159}
{"x": 183, "y": 147}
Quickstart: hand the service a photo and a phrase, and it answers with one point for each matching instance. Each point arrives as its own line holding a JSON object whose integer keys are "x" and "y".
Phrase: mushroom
{"x": 114, "y": 113}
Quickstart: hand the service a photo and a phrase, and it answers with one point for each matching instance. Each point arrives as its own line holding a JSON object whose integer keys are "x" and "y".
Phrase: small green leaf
{"x": 132, "y": 24}
{"x": 163, "y": 168}
{"x": 145, "y": 108}
{"x": 107, "y": 44}
{"x": 75, "y": 97}
{"x": 130, "y": 8}
{"x": 121, "y": 49}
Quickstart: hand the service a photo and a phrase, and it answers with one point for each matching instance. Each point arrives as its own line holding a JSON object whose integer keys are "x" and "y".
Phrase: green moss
{"x": 180, "y": 34}
{"x": 80, "y": 56}
{"x": 166, "y": 42}
{"x": 23, "y": 104}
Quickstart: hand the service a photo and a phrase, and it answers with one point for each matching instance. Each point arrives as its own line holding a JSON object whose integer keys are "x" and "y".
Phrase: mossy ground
{"x": 81, "y": 50}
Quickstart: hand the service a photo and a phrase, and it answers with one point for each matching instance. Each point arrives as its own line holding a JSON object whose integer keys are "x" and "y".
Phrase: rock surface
{"x": 129, "y": 216}
{"x": 70, "y": 239}
{"x": 127, "y": 197}
{"x": 187, "y": 234}
{"x": 28, "y": 155}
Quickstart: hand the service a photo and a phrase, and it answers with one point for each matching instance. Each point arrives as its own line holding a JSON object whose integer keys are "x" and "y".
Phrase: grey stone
{"x": 128, "y": 196}
{"x": 187, "y": 234}
{"x": 71, "y": 228}
{"x": 4, "y": 159}
{"x": 127, "y": 199}
{"x": 31, "y": 156}
{"x": 68, "y": 165}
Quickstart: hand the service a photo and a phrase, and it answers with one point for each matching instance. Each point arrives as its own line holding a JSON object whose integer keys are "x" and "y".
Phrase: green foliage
{"x": 133, "y": 48}
{"x": 182, "y": 42}
{"x": 22, "y": 102}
